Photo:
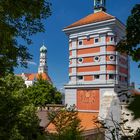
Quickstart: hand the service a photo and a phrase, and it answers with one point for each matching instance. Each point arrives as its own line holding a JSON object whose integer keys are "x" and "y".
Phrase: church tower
{"x": 43, "y": 68}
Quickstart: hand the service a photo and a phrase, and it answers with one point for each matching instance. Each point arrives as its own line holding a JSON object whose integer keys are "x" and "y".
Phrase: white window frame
{"x": 81, "y": 61}
{"x": 99, "y": 58}
{"x": 114, "y": 58}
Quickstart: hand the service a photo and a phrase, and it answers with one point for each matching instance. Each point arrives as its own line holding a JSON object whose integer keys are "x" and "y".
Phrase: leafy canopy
{"x": 131, "y": 44}
{"x": 42, "y": 93}
{"x": 18, "y": 120}
{"x": 134, "y": 106}
{"x": 67, "y": 124}
{"x": 19, "y": 19}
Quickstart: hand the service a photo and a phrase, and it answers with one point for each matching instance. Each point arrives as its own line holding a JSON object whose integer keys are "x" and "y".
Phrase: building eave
{"x": 88, "y": 25}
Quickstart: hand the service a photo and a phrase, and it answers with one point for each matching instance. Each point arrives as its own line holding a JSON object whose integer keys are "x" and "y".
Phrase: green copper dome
{"x": 43, "y": 48}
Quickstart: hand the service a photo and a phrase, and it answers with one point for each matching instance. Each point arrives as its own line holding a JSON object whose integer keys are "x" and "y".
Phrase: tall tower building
{"x": 97, "y": 72}
{"x": 30, "y": 78}
{"x": 43, "y": 68}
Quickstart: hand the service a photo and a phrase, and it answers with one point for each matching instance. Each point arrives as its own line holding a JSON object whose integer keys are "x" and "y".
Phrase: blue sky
{"x": 65, "y": 12}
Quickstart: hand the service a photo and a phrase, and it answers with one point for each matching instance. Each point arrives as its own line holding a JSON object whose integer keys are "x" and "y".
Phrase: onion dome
{"x": 43, "y": 49}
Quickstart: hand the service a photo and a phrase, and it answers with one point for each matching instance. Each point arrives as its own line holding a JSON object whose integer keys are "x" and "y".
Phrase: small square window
{"x": 111, "y": 76}
{"x": 111, "y": 39}
{"x": 80, "y": 77}
{"x": 126, "y": 79}
{"x": 96, "y": 40}
{"x": 120, "y": 78}
{"x": 96, "y": 76}
{"x": 80, "y": 42}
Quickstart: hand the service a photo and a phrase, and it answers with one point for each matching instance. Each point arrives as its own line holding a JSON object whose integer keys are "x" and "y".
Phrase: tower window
{"x": 96, "y": 76}
{"x": 120, "y": 78}
{"x": 111, "y": 39}
{"x": 80, "y": 42}
{"x": 111, "y": 76}
{"x": 80, "y": 60}
{"x": 80, "y": 77}
{"x": 126, "y": 79}
{"x": 96, "y": 40}
{"x": 97, "y": 58}
{"x": 112, "y": 57}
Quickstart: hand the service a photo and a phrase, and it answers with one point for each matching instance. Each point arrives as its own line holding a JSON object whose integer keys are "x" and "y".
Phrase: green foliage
{"x": 19, "y": 19}
{"x": 134, "y": 106}
{"x": 130, "y": 44}
{"x": 67, "y": 124}
{"x": 42, "y": 93}
{"x": 18, "y": 120}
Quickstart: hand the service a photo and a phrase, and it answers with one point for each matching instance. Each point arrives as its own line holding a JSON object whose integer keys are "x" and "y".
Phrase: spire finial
{"x": 99, "y": 5}
{"x": 43, "y": 43}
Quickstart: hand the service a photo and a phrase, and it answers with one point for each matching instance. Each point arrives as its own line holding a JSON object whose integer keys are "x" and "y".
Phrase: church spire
{"x": 43, "y": 68}
{"x": 99, "y": 5}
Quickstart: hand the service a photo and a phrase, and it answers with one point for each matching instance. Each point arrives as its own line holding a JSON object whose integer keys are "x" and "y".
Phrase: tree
{"x": 42, "y": 93}
{"x": 19, "y": 19}
{"x": 134, "y": 106}
{"x": 130, "y": 44}
{"x": 116, "y": 130}
{"x": 67, "y": 124}
{"x": 18, "y": 120}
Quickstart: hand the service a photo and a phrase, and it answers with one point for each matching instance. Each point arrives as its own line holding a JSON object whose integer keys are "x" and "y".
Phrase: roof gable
{"x": 34, "y": 76}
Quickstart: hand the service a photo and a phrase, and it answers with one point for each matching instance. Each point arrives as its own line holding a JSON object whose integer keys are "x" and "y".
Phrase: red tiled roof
{"x": 92, "y": 18}
{"x": 88, "y": 122}
{"x": 32, "y": 76}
